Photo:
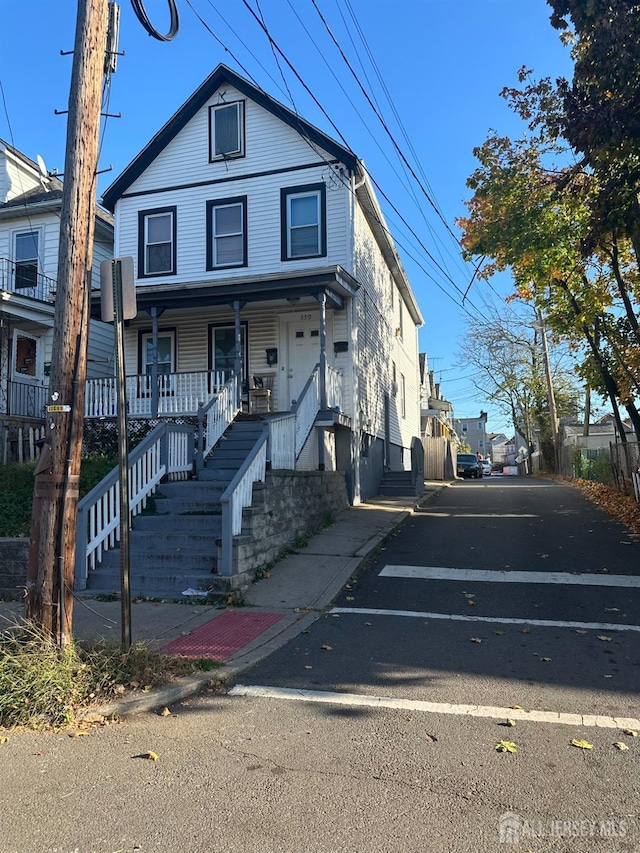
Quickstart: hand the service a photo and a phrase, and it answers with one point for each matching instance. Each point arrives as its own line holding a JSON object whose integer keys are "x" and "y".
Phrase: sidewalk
{"x": 278, "y": 607}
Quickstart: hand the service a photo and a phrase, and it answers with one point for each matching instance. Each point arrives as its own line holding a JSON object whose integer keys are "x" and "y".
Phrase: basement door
{"x": 303, "y": 352}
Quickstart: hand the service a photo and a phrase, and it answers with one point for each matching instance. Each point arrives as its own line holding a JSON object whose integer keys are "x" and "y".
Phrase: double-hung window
{"x": 227, "y": 233}
{"x": 157, "y": 242}
{"x": 226, "y": 131}
{"x": 26, "y": 259}
{"x": 303, "y": 222}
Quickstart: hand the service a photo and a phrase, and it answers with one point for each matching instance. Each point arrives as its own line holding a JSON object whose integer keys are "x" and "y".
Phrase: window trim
{"x": 22, "y": 232}
{"x": 244, "y": 326}
{"x": 142, "y": 245}
{"x": 286, "y": 193}
{"x": 37, "y": 357}
{"x": 145, "y": 334}
{"x": 226, "y": 202}
{"x": 231, "y": 155}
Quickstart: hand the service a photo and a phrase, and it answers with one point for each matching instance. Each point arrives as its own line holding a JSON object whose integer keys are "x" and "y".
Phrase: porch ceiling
{"x": 335, "y": 282}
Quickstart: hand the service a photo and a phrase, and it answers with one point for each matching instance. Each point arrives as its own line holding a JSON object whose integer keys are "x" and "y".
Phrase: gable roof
{"x": 221, "y": 75}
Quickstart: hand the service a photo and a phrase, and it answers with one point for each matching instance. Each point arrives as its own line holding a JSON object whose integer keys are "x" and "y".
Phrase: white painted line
{"x": 504, "y": 620}
{"x": 443, "y": 573}
{"x": 493, "y": 712}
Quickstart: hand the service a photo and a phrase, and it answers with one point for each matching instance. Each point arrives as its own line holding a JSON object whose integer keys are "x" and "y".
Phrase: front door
{"x": 303, "y": 352}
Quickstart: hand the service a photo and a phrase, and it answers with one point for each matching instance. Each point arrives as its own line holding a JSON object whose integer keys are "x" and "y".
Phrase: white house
{"x": 30, "y": 203}
{"x": 250, "y": 226}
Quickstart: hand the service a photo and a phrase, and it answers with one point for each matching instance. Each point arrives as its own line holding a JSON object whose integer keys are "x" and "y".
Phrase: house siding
{"x": 378, "y": 317}
{"x": 270, "y": 145}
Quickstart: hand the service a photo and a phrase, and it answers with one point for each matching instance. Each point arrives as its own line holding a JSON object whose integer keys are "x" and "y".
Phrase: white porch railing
{"x": 281, "y": 452}
{"x": 177, "y": 394}
{"x": 306, "y": 409}
{"x": 218, "y": 414}
{"x": 334, "y": 389}
{"x": 166, "y": 451}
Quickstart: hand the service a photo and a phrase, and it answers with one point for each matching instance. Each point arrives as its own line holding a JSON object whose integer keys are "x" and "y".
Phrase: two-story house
{"x": 259, "y": 247}
{"x": 473, "y": 431}
{"x": 30, "y": 204}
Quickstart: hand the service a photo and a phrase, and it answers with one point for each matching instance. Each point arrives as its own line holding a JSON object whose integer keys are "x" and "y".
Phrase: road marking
{"x": 496, "y": 576}
{"x": 506, "y": 620}
{"x": 492, "y": 712}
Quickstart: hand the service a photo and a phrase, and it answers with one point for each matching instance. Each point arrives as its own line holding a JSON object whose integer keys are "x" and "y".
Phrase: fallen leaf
{"x": 630, "y": 732}
{"x": 430, "y": 738}
{"x": 336, "y": 615}
{"x": 621, "y": 746}
{"x": 546, "y": 660}
{"x": 368, "y": 624}
{"x": 150, "y": 756}
{"x": 517, "y": 708}
{"x": 471, "y": 603}
{"x": 509, "y": 723}
{"x": 469, "y": 594}
{"x": 476, "y": 640}
{"x": 350, "y": 598}
{"x": 506, "y": 746}
{"x": 604, "y": 638}
{"x": 605, "y": 570}
{"x": 612, "y": 610}
{"x": 3, "y": 739}
{"x": 308, "y": 666}
{"x": 543, "y": 556}
{"x": 78, "y": 734}
{"x": 119, "y": 689}
{"x": 499, "y": 633}
{"x": 525, "y": 630}
{"x": 326, "y": 647}
{"x": 165, "y": 712}
{"x": 582, "y": 744}
{"x": 581, "y": 631}
{"x": 146, "y": 688}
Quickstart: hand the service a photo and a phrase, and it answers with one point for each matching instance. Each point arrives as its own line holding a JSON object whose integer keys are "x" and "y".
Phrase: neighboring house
{"x": 600, "y": 436}
{"x": 473, "y": 431}
{"x": 260, "y": 249}
{"x": 30, "y": 204}
{"x": 436, "y": 413}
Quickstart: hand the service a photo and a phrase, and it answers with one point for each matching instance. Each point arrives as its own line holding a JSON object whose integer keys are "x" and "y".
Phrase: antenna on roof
{"x": 44, "y": 174}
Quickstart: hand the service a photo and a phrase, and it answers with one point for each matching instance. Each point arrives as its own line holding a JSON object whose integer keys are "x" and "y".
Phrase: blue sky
{"x": 443, "y": 64}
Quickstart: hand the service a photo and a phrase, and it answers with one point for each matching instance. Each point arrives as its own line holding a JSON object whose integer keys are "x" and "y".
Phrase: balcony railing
{"x": 26, "y": 399}
{"x": 23, "y": 279}
{"x": 177, "y": 393}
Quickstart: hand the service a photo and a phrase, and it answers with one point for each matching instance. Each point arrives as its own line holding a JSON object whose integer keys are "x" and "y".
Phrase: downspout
{"x": 154, "y": 362}
{"x": 239, "y": 353}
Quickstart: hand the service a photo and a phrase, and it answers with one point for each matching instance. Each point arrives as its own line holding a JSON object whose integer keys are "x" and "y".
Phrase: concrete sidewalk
{"x": 298, "y": 589}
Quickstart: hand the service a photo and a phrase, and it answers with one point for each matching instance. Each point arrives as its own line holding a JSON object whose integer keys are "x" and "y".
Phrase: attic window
{"x": 226, "y": 131}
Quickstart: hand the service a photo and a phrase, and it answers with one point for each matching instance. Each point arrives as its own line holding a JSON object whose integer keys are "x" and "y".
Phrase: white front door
{"x": 303, "y": 352}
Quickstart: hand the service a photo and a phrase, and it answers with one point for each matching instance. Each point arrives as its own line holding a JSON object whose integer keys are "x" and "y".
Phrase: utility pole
{"x": 550, "y": 393}
{"x": 50, "y": 601}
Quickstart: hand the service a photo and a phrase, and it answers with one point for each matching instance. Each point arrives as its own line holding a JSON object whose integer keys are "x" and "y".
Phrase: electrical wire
{"x": 174, "y": 23}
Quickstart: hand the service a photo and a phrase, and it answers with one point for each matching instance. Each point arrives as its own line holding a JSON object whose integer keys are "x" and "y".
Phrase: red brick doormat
{"x": 219, "y": 638}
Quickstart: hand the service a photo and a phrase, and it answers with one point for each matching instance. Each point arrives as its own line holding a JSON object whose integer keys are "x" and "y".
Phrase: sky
{"x": 434, "y": 68}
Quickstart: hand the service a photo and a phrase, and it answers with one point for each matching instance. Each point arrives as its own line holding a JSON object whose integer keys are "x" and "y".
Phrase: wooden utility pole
{"x": 552, "y": 399}
{"x": 50, "y": 601}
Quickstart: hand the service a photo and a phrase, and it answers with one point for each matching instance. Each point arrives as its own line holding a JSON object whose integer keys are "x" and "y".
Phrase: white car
{"x": 486, "y": 467}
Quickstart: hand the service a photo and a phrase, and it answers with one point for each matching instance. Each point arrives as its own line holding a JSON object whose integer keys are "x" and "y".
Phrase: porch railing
{"x": 24, "y": 279}
{"x": 306, "y": 408}
{"x": 26, "y": 399}
{"x": 177, "y": 394}
{"x": 166, "y": 451}
{"x": 334, "y": 388}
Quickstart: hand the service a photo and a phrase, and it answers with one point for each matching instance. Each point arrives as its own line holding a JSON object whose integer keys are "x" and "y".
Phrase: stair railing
{"x": 306, "y": 408}
{"x": 238, "y": 495}
{"x": 218, "y": 413}
{"x": 167, "y": 451}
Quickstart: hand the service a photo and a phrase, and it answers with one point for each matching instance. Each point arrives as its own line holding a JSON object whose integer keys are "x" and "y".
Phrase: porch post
{"x": 322, "y": 299}
{"x": 239, "y": 352}
{"x": 154, "y": 362}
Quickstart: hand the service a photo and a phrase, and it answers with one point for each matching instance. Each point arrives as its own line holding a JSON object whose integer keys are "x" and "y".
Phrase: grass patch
{"x": 42, "y": 686}
{"x": 16, "y": 491}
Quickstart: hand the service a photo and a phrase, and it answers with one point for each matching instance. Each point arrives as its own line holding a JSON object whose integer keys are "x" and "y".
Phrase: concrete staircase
{"x": 174, "y": 546}
{"x": 397, "y": 484}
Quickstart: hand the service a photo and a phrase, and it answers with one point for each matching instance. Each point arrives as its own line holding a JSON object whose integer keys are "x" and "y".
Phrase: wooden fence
{"x": 438, "y": 464}
{"x": 18, "y": 442}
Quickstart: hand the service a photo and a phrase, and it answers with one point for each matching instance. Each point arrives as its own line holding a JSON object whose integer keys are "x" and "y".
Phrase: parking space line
{"x": 492, "y": 712}
{"x": 507, "y": 576}
{"x": 503, "y": 620}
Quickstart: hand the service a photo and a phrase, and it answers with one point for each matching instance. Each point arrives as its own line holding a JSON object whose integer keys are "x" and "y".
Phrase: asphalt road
{"x": 383, "y": 770}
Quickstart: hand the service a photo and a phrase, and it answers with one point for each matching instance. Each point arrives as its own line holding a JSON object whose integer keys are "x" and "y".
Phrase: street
{"x": 439, "y": 649}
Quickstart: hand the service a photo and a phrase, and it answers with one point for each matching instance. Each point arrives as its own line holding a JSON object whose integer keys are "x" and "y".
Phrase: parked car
{"x": 486, "y": 467}
{"x": 468, "y": 465}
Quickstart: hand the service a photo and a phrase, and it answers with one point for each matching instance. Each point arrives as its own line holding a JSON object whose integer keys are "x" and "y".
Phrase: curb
{"x": 190, "y": 685}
